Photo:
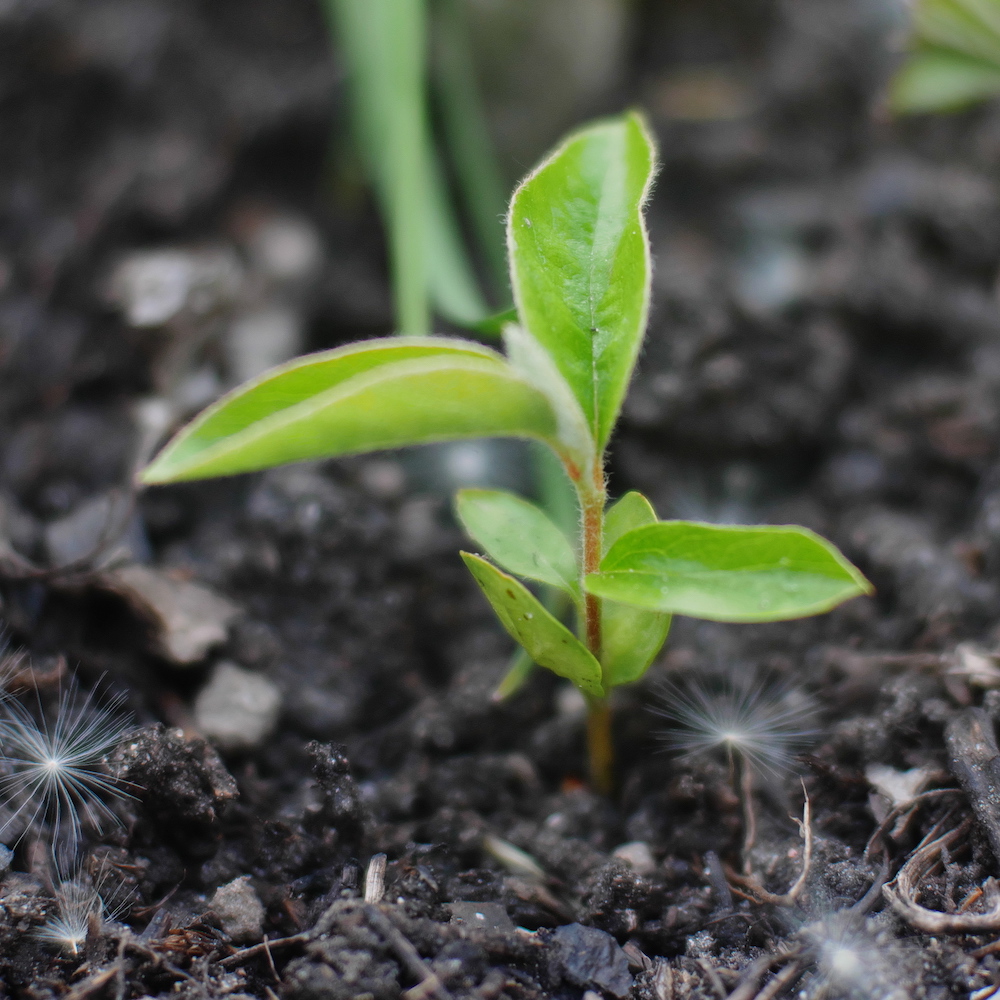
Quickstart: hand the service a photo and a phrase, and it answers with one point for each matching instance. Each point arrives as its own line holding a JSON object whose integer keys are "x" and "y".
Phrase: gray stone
{"x": 593, "y": 958}
{"x": 485, "y": 916}
{"x": 239, "y": 910}
{"x": 237, "y": 709}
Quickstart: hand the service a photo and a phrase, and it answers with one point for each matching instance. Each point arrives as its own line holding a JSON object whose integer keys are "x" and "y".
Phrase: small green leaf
{"x": 376, "y": 394}
{"x": 630, "y": 637}
{"x": 547, "y": 641}
{"x": 580, "y": 260}
{"x": 519, "y": 536}
{"x": 727, "y": 573}
{"x": 632, "y": 511}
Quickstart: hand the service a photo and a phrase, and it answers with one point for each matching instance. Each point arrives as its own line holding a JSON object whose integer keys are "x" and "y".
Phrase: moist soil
{"x": 824, "y": 349}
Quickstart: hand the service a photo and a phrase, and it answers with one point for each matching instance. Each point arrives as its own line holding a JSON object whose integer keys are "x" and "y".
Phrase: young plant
{"x": 580, "y": 271}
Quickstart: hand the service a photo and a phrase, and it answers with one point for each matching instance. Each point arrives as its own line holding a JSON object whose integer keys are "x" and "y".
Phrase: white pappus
{"x": 765, "y": 724}
{"x": 51, "y": 773}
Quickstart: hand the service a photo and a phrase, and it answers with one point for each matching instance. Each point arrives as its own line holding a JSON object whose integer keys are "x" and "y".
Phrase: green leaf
{"x": 633, "y": 510}
{"x": 530, "y": 359}
{"x": 547, "y": 641}
{"x": 971, "y": 27}
{"x": 727, "y": 573}
{"x": 376, "y": 394}
{"x": 955, "y": 59}
{"x": 939, "y": 80}
{"x": 579, "y": 260}
{"x": 519, "y": 536}
{"x": 492, "y": 325}
{"x": 630, "y": 637}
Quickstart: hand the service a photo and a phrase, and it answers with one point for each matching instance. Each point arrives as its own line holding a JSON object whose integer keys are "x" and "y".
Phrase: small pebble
{"x": 237, "y": 709}
{"x": 486, "y": 916}
{"x": 637, "y": 854}
{"x": 239, "y": 910}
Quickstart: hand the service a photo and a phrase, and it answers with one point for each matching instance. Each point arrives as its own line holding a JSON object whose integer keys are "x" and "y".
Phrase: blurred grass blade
{"x": 451, "y": 282}
{"x": 467, "y": 136}
{"x": 378, "y": 394}
{"x": 383, "y": 43}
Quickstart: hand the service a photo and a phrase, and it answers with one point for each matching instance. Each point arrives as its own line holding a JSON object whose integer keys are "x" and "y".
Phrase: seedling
{"x": 580, "y": 271}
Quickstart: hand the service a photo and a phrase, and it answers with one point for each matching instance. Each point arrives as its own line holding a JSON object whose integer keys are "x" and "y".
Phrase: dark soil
{"x": 824, "y": 350}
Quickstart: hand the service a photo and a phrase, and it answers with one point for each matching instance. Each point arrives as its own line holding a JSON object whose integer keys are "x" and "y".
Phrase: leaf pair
{"x": 522, "y": 539}
{"x": 651, "y": 570}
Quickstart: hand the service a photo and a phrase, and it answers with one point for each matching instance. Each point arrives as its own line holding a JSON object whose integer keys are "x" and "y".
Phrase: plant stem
{"x": 600, "y": 750}
{"x": 592, "y": 523}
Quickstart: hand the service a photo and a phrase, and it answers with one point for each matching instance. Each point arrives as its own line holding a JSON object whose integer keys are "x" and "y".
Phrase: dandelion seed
{"x": 79, "y": 914}
{"x": 52, "y": 766}
{"x": 764, "y": 724}
{"x": 85, "y": 903}
{"x": 853, "y": 959}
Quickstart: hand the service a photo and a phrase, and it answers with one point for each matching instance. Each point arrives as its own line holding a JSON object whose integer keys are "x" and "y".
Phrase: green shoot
{"x": 580, "y": 270}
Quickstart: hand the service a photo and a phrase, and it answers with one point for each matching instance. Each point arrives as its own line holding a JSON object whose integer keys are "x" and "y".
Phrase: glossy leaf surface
{"x": 580, "y": 263}
{"x": 727, "y": 572}
{"x": 630, "y": 637}
{"x": 547, "y": 641}
{"x": 519, "y": 536}
{"x": 376, "y": 394}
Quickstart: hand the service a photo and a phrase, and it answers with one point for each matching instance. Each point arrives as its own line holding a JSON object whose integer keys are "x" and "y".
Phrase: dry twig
{"x": 903, "y": 892}
{"x": 758, "y": 894}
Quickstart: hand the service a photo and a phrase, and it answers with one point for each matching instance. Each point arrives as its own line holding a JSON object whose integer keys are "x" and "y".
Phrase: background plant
{"x": 580, "y": 272}
{"x": 954, "y": 59}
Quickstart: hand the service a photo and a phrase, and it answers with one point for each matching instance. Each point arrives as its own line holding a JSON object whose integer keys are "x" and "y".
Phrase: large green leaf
{"x": 727, "y": 572}
{"x": 377, "y": 394}
{"x": 519, "y": 536}
{"x": 630, "y": 637}
{"x": 579, "y": 260}
{"x": 548, "y": 642}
